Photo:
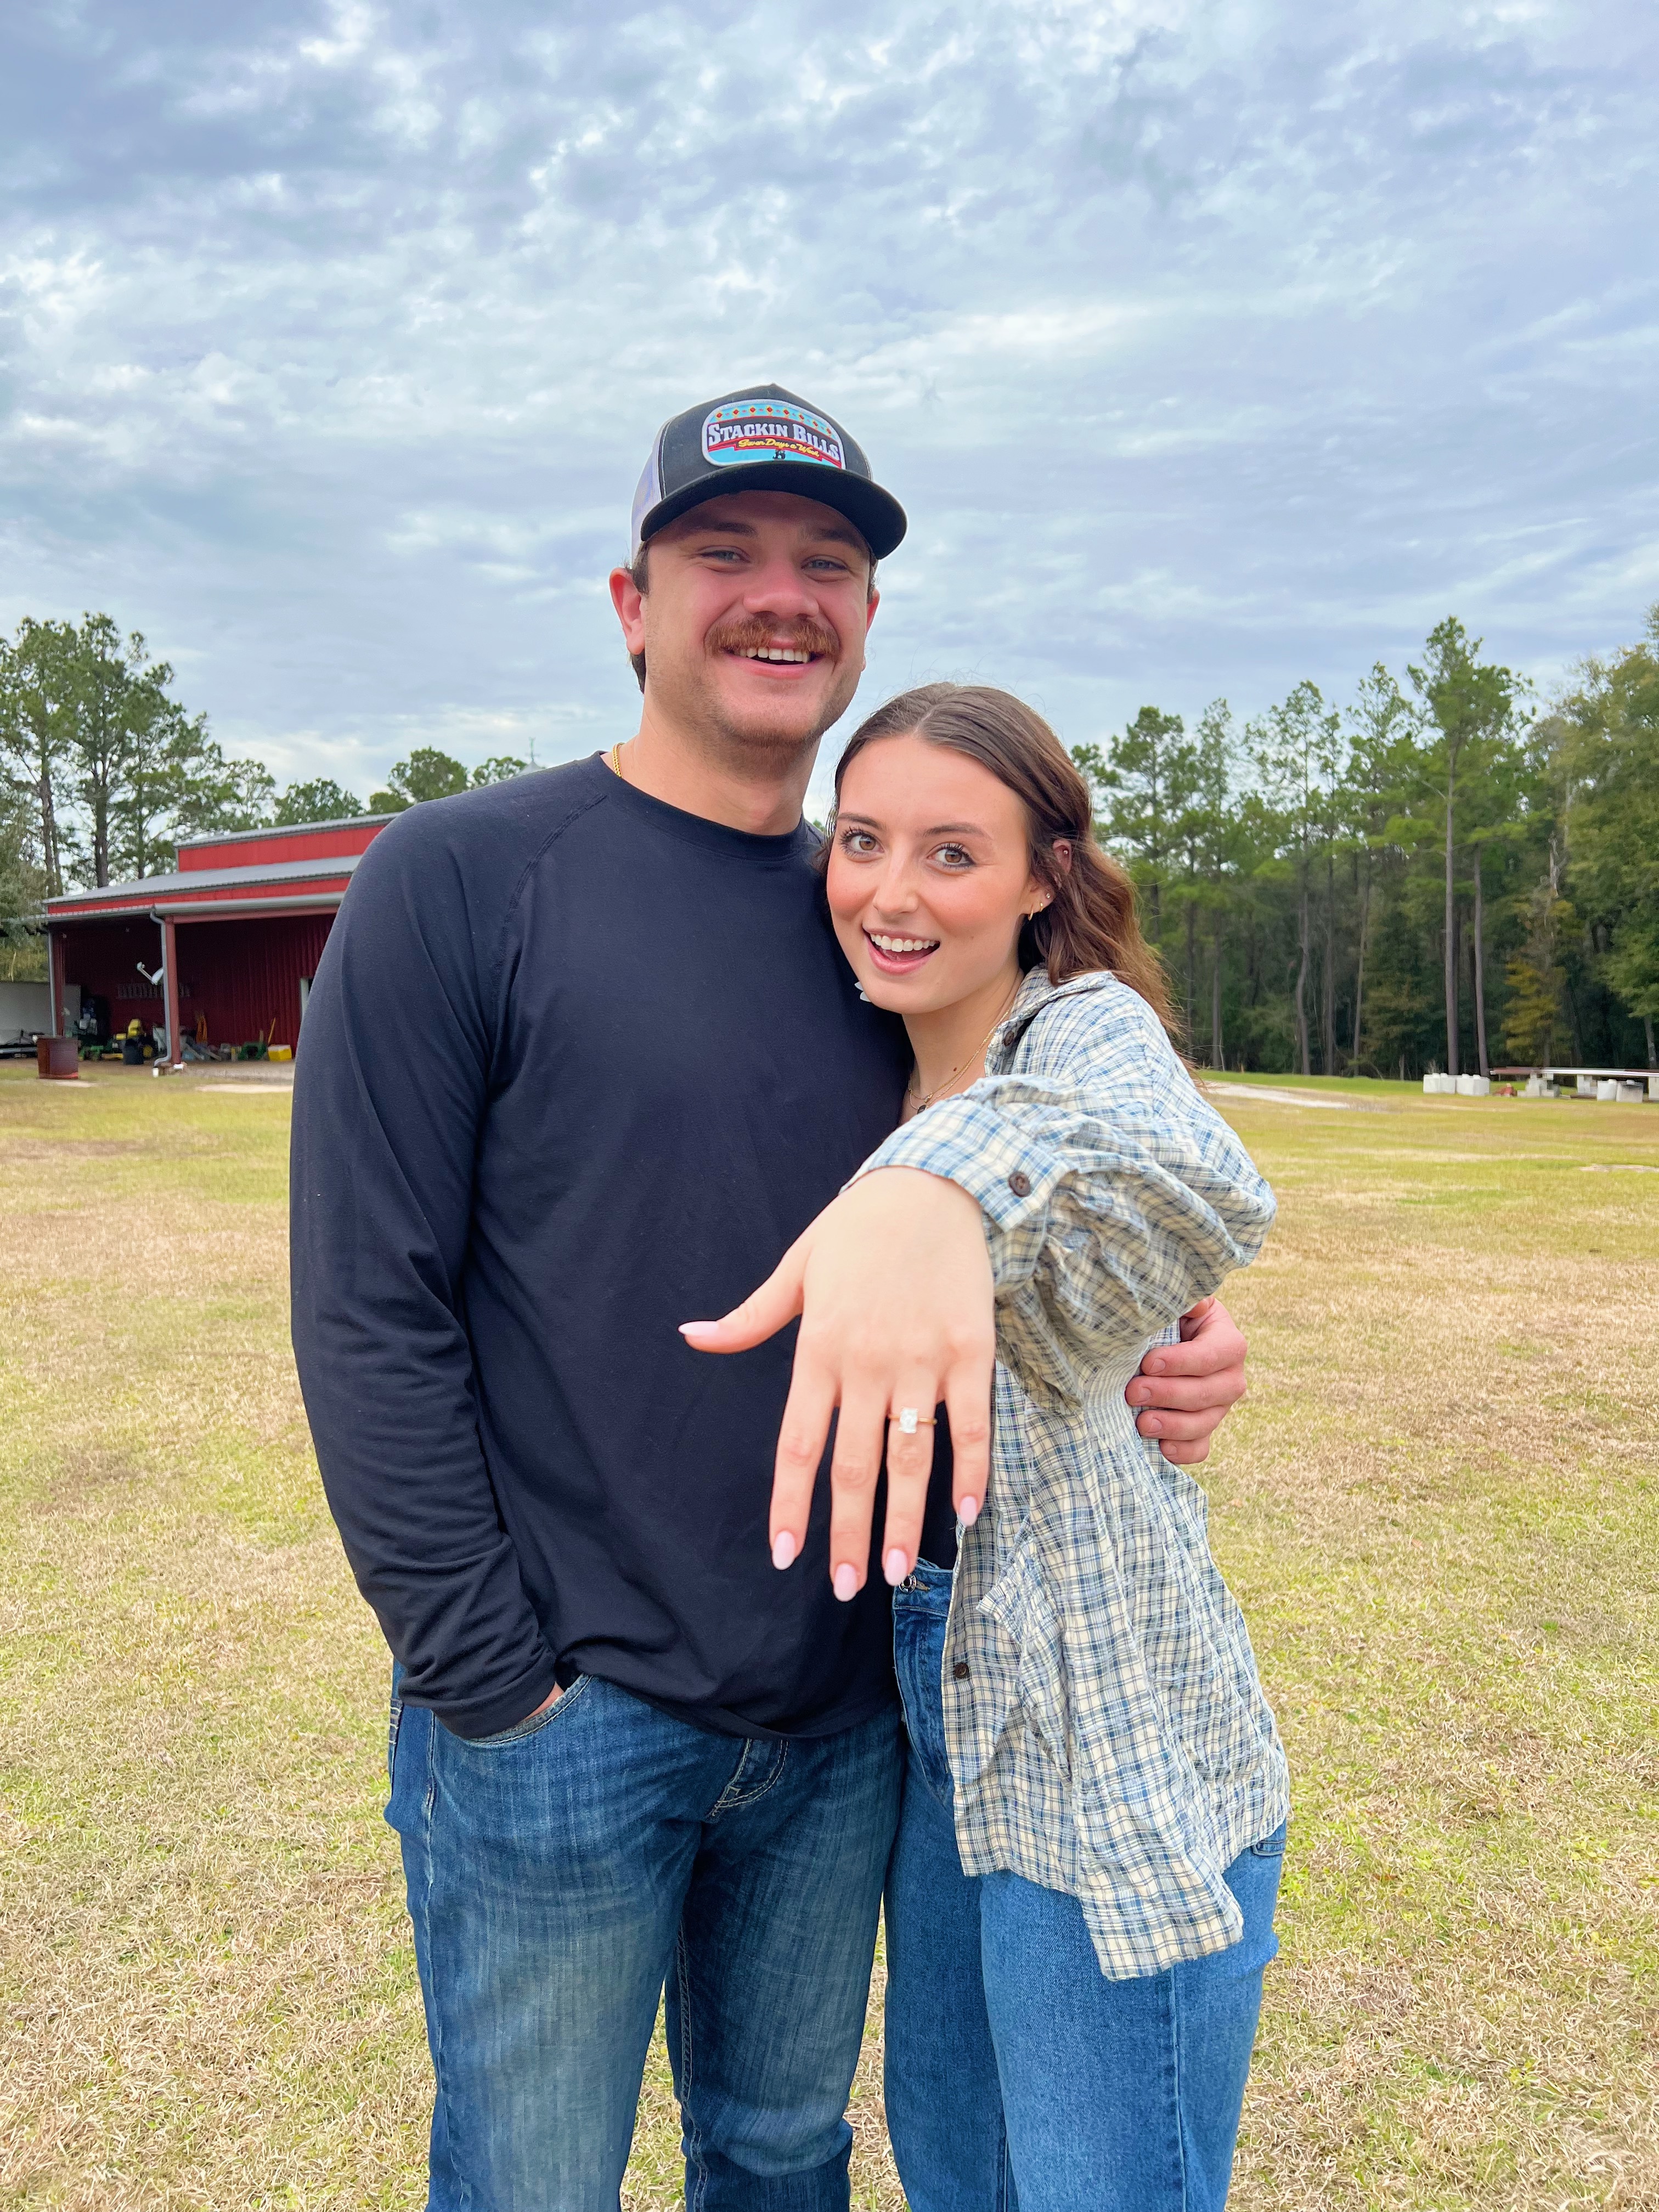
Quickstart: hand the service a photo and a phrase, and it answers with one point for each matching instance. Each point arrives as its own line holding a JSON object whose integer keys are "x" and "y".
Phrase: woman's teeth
{"x": 903, "y": 944}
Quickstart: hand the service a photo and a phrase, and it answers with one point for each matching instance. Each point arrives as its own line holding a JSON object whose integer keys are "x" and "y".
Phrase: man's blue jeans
{"x": 1011, "y": 2058}
{"x": 559, "y": 1874}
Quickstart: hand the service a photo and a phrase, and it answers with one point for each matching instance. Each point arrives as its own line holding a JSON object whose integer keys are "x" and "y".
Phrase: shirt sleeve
{"x": 390, "y": 1089}
{"x": 1114, "y": 1197}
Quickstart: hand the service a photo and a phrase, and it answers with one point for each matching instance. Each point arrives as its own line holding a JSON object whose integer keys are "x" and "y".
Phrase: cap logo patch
{"x": 745, "y": 430}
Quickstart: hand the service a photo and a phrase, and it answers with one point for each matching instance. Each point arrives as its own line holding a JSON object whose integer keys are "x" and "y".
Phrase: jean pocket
{"x": 1273, "y": 1847}
{"x": 918, "y": 1661}
{"x": 533, "y": 1724}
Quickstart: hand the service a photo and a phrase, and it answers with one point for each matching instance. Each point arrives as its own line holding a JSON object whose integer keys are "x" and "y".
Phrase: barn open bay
{"x": 1439, "y": 1507}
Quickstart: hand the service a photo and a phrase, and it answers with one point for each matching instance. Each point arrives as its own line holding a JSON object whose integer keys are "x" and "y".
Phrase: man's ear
{"x": 629, "y": 602}
{"x": 869, "y": 606}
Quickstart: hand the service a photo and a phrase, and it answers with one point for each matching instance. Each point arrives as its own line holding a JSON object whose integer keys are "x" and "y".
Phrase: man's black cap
{"x": 764, "y": 439}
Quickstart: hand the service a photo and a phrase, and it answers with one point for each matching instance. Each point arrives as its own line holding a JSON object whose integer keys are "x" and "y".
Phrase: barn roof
{"x": 278, "y": 869}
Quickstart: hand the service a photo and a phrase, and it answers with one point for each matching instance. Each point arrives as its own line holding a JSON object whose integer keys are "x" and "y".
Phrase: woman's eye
{"x": 955, "y": 856}
{"x": 859, "y": 842}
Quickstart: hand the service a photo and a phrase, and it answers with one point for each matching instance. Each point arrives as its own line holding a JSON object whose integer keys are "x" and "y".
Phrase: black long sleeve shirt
{"x": 578, "y": 1066}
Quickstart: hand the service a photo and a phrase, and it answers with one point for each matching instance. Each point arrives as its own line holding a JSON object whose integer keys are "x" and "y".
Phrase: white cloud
{"x": 1209, "y": 345}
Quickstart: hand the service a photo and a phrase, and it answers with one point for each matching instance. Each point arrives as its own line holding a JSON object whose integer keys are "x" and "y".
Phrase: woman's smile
{"x": 899, "y": 955}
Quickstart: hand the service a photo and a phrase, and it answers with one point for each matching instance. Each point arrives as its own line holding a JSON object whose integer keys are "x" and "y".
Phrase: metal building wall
{"x": 244, "y": 975}
{"x": 316, "y": 841}
{"x": 104, "y": 957}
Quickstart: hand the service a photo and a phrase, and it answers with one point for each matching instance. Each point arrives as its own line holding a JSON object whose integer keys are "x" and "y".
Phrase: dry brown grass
{"x": 1439, "y": 1509}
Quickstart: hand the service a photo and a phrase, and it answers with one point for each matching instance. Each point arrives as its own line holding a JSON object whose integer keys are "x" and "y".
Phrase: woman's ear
{"x": 1061, "y": 851}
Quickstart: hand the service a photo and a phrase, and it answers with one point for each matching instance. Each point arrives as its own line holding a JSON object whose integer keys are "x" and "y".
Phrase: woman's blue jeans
{"x": 1017, "y": 2075}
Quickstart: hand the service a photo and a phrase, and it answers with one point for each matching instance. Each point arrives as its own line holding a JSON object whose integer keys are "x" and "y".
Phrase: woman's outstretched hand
{"x": 892, "y": 1283}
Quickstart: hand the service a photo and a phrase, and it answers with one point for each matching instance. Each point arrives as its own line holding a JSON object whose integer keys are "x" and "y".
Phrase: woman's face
{"x": 930, "y": 875}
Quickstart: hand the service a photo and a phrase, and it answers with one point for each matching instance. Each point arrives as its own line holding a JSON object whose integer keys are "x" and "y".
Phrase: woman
{"x": 1069, "y": 2019}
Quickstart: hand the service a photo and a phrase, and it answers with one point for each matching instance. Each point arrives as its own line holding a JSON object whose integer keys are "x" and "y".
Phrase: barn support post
{"x": 170, "y": 986}
{"x": 55, "y": 966}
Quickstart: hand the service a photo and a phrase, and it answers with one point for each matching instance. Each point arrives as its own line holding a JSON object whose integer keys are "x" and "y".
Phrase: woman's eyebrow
{"x": 937, "y": 830}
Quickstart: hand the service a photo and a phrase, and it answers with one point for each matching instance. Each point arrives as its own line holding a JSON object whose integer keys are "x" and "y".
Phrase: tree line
{"x": 1440, "y": 871}
{"x": 103, "y": 771}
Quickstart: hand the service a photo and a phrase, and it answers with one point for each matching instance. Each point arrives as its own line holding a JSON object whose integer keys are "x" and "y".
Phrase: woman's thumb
{"x": 762, "y": 1313}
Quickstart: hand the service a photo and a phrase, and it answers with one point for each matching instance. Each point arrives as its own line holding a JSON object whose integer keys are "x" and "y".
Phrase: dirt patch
{"x": 85, "y": 1473}
{"x": 21, "y": 1149}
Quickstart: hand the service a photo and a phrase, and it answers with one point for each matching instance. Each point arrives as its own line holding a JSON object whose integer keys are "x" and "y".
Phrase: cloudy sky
{"x": 1210, "y": 343}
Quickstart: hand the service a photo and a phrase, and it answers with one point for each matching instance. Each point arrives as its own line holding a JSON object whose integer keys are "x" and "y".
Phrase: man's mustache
{"x": 753, "y": 635}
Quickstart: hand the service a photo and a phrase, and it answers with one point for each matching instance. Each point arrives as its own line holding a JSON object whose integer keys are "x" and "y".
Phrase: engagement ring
{"x": 909, "y": 1421}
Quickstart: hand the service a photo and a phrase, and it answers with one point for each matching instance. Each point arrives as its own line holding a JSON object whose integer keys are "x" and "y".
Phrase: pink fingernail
{"x": 695, "y": 1329}
{"x": 895, "y": 1567}
{"x": 783, "y": 1549}
{"x": 968, "y": 1511}
{"x": 846, "y": 1583}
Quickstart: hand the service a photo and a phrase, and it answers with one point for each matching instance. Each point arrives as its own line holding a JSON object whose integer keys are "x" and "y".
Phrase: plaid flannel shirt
{"x": 1109, "y": 1734}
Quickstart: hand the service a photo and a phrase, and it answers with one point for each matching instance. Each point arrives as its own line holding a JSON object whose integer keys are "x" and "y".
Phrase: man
{"x": 582, "y": 1060}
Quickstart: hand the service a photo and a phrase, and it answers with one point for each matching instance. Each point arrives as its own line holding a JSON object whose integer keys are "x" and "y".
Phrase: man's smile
{"x": 781, "y": 649}
{"x": 778, "y": 664}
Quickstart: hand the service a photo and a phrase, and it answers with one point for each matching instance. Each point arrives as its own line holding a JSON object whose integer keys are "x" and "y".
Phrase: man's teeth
{"x": 904, "y": 944}
{"x": 776, "y": 653}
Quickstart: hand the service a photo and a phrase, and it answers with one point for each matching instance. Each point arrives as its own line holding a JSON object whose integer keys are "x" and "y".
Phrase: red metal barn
{"x": 236, "y": 934}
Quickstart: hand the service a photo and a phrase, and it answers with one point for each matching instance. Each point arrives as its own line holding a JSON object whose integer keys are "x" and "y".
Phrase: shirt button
{"x": 1020, "y": 1183}
{"x": 960, "y": 1670}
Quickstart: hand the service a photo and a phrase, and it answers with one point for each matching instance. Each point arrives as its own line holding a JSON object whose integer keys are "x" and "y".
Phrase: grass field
{"x": 1439, "y": 1507}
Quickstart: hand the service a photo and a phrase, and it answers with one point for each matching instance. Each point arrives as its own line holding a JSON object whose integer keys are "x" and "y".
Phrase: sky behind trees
{"x": 1210, "y": 347}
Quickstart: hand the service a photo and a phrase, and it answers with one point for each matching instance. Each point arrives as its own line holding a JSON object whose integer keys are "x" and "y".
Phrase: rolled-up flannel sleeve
{"x": 1113, "y": 1196}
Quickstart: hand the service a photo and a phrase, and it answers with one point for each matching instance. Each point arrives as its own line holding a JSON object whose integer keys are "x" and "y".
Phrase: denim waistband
{"x": 927, "y": 1588}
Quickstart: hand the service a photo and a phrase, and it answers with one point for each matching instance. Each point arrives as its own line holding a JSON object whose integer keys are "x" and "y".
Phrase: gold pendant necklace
{"x": 978, "y": 1053}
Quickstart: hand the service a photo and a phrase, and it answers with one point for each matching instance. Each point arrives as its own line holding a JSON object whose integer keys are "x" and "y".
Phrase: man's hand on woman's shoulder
{"x": 1183, "y": 1391}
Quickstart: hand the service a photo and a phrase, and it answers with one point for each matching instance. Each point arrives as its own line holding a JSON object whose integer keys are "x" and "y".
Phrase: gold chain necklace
{"x": 613, "y": 760}
{"x": 978, "y": 1052}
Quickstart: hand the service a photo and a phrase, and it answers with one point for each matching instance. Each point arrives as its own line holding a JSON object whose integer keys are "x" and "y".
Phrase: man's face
{"x": 754, "y": 624}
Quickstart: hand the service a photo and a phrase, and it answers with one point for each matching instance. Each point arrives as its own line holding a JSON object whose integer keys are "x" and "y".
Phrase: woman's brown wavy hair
{"x": 1090, "y": 921}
